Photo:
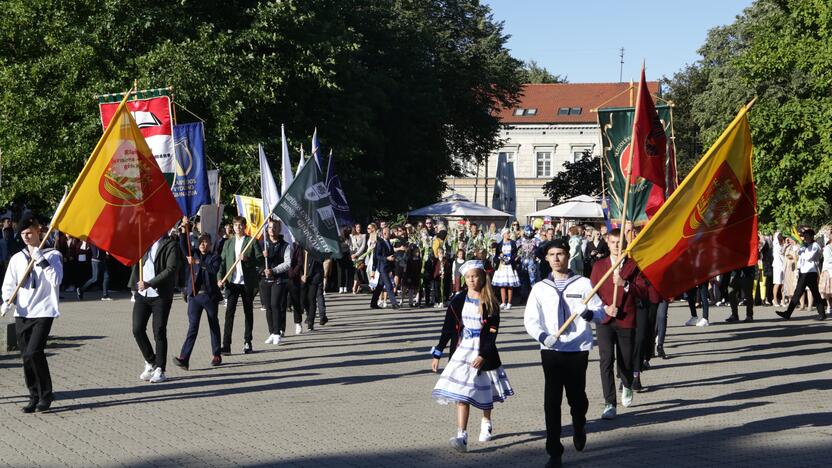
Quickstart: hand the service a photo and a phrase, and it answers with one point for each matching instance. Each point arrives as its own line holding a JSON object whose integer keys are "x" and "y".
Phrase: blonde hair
{"x": 488, "y": 300}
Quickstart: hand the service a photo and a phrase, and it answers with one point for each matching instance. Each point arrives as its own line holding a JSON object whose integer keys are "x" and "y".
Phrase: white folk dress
{"x": 505, "y": 276}
{"x": 459, "y": 381}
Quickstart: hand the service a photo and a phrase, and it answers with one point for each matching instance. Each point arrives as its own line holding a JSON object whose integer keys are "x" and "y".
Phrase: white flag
{"x": 268, "y": 189}
{"x": 286, "y": 178}
{"x": 302, "y": 162}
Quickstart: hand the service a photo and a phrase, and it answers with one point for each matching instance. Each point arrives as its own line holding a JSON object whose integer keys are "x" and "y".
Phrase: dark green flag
{"x": 616, "y": 133}
{"x": 306, "y": 209}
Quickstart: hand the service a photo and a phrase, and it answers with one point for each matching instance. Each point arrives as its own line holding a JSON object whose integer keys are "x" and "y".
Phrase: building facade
{"x": 552, "y": 124}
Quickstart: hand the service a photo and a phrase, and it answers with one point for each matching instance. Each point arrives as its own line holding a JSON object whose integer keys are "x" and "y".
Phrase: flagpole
{"x": 243, "y": 252}
{"x": 190, "y": 253}
{"x": 29, "y": 267}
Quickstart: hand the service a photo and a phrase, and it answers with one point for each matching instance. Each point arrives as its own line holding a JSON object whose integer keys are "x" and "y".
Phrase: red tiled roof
{"x": 548, "y": 98}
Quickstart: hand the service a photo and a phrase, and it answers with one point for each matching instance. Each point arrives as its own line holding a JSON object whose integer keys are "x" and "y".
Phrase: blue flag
{"x": 337, "y": 196}
{"x": 190, "y": 184}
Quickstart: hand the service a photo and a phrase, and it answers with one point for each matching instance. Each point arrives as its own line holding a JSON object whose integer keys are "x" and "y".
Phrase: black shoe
{"x": 554, "y": 462}
{"x": 43, "y": 405}
{"x": 374, "y": 306}
{"x": 310, "y": 326}
{"x": 324, "y": 321}
{"x": 748, "y": 319}
{"x": 247, "y": 348}
{"x": 579, "y": 439}
{"x": 620, "y": 385}
{"x": 732, "y": 319}
{"x": 216, "y": 361}
{"x": 637, "y": 384}
{"x": 645, "y": 366}
{"x": 181, "y": 363}
{"x": 396, "y": 306}
{"x": 660, "y": 352}
{"x": 30, "y": 408}
{"x": 225, "y": 350}
{"x": 820, "y": 318}
{"x": 79, "y": 294}
{"x": 783, "y": 314}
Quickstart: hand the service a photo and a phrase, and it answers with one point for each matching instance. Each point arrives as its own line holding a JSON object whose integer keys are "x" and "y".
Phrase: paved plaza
{"x": 356, "y": 393}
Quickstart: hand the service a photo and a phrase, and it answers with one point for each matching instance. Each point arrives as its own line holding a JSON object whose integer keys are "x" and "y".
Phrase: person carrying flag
{"x": 241, "y": 284}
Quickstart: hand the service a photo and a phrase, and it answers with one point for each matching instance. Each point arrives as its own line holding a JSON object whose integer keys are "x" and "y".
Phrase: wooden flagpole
{"x": 243, "y": 252}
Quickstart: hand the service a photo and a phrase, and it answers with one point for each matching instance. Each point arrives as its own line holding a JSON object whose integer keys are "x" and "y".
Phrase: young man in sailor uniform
{"x": 564, "y": 359}
{"x": 34, "y": 309}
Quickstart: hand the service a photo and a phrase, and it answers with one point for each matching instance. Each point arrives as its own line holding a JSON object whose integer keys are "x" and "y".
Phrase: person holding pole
{"x": 274, "y": 280}
{"x": 30, "y": 291}
{"x": 616, "y": 333}
{"x": 239, "y": 268}
{"x": 152, "y": 281}
{"x": 564, "y": 357}
{"x": 203, "y": 294}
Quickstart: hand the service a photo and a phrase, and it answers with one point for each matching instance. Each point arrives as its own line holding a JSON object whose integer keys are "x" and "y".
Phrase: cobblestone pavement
{"x": 357, "y": 393}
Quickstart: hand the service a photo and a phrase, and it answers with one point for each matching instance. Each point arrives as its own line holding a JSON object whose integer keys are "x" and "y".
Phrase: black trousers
{"x": 806, "y": 280}
{"x": 615, "y": 344}
{"x": 196, "y": 305}
{"x": 31, "y": 339}
{"x": 309, "y": 295}
{"x": 159, "y": 309}
{"x": 236, "y": 291}
{"x": 563, "y": 371}
{"x": 274, "y": 297}
{"x": 743, "y": 284}
{"x": 294, "y": 296}
{"x": 346, "y": 272}
{"x": 645, "y": 343}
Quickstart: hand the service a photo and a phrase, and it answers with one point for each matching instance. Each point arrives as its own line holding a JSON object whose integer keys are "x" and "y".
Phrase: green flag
{"x": 616, "y": 132}
{"x": 306, "y": 209}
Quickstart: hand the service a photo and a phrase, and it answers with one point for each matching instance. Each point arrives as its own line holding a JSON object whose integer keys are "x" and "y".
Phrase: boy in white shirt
{"x": 807, "y": 267}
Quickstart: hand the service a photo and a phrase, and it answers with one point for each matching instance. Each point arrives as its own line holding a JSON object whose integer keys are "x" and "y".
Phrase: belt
{"x": 469, "y": 333}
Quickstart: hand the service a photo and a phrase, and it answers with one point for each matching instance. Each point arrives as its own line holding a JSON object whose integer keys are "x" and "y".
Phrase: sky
{"x": 582, "y": 39}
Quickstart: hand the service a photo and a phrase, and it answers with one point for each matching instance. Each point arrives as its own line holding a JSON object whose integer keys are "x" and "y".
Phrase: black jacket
{"x": 205, "y": 274}
{"x": 166, "y": 266}
{"x": 452, "y": 329}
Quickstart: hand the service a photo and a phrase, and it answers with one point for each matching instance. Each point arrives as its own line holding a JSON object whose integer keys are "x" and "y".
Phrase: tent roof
{"x": 582, "y": 206}
{"x": 459, "y": 208}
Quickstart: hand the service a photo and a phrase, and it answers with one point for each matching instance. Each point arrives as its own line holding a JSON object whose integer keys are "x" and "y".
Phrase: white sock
{"x": 461, "y": 433}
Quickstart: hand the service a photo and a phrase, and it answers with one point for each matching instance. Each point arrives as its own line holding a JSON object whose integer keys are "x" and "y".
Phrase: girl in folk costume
{"x": 505, "y": 277}
{"x": 474, "y": 375}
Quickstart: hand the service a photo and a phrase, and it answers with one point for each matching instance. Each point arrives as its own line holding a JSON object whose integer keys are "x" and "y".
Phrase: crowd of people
{"x": 473, "y": 274}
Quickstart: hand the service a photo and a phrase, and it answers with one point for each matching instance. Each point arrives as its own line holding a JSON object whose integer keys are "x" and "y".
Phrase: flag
{"x": 120, "y": 202}
{"x": 214, "y": 185}
{"x": 497, "y": 194}
{"x": 210, "y": 221}
{"x": 190, "y": 188}
{"x": 268, "y": 188}
{"x": 337, "y": 196}
{"x": 251, "y": 209}
{"x": 709, "y": 224}
{"x": 649, "y": 140}
{"x": 306, "y": 209}
{"x": 511, "y": 189}
{"x": 151, "y": 110}
{"x": 316, "y": 151}
{"x": 286, "y": 178}
{"x": 301, "y": 163}
{"x": 672, "y": 176}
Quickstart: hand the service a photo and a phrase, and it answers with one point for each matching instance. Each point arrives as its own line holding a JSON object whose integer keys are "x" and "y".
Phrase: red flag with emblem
{"x": 649, "y": 147}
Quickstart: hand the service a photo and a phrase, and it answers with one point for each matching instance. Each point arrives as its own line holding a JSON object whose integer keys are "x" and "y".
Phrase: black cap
{"x": 554, "y": 244}
{"x": 26, "y": 221}
{"x": 808, "y": 232}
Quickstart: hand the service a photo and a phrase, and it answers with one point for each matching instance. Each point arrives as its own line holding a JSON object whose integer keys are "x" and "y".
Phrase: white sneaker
{"x": 626, "y": 397}
{"x": 269, "y": 340}
{"x": 132, "y": 298}
{"x": 148, "y": 372}
{"x": 508, "y": 306}
{"x": 460, "y": 443}
{"x": 262, "y": 308}
{"x": 692, "y": 321}
{"x": 609, "y": 412}
{"x": 277, "y": 339}
{"x": 298, "y": 329}
{"x": 703, "y": 322}
{"x": 383, "y": 304}
{"x": 158, "y": 376}
{"x": 437, "y": 305}
{"x": 485, "y": 430}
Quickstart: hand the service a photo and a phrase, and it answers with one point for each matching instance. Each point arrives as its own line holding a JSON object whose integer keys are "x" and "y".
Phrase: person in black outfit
{"x": 274, "y": 277}
{"x": 205, "y": 295}
{"x": 741, "y": 281}
{"x": 383, "y": 253}
{"x": 294, "y": 286}
{"x": 312, "y": 279}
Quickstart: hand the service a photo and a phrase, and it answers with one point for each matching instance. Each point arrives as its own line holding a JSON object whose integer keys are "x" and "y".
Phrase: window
{"x": 518, "y": 111}
{"x": 542, "y": 204}
{"x": 575, "y": 111}
{"x": 509, "y": 155}
{"x": 563, "y": 111}
{"x": 569, "y": 110}
{"x": 544, "y": 163}
{"x": 531, "y": 111}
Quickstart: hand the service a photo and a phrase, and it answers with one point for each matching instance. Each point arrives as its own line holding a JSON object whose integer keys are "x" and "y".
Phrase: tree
{"x": 777, "y": 50}
{"x": 531, "y": 72}
{"x": 395, "y": 88}
{"x": 582, "y": 177}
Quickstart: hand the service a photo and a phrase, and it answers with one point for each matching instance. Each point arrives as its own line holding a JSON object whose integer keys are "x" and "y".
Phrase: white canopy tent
{"x": 457, "y": 206}
{"x": 580, "y": 207}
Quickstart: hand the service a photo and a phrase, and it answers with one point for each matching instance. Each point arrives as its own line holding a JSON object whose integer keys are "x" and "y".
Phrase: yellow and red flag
{"x": 709, "y": 225}
{"x": 120, "y": 202}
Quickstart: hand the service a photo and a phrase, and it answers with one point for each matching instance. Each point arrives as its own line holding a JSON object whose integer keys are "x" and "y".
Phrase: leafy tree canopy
{"x": 394, "y": 87}
{"x": 531, "y": 72}
{"x": 780, "y": 51}
{"x": 577, "y": 178}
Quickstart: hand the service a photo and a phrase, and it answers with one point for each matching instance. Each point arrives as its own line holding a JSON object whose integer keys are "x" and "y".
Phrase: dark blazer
{"x": 314, "y": 271}
{"x": 166, "y": 265}
{"x": 253, "y": 258}
{"x": 452, "y": 329}
{"x": 205, "y": 274}
{"x": 380, "y": 254}
{"x": 625, "y": 301}
{"x": 296, "y": 267}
